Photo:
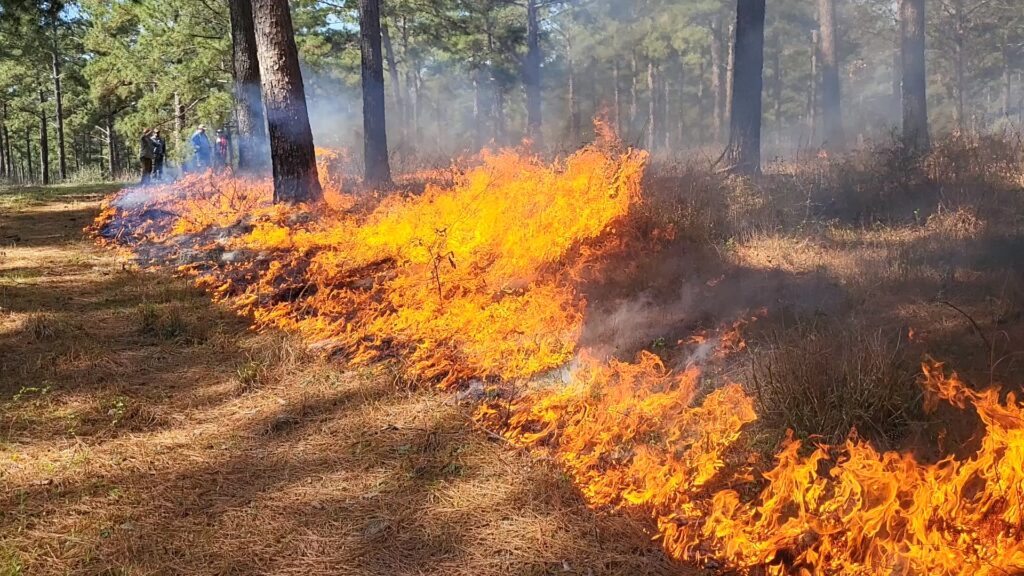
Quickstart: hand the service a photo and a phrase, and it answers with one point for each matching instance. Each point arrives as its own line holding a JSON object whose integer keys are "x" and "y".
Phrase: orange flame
{"x": 477, "y": 279}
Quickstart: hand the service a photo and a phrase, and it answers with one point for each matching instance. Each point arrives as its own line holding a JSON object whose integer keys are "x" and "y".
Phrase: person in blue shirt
{"x": 201, "y": 146}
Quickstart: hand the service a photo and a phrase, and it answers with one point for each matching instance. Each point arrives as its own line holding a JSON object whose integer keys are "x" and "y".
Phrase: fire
{"x": 472, "y": 280}
{"x": 477, "y": 277}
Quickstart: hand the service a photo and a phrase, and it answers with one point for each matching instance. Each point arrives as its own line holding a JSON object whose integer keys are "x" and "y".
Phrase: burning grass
{"x": 480, "y": 280}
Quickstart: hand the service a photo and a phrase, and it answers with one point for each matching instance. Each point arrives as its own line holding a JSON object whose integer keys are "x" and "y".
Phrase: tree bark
{"x": 28, "y": 154}
{"x": 1007, "y": 81}
{"x": 812, "y": 91}
{"x": 252, "y": 133}
{"x": 730, "y": 77}
{"x": 831, "y": 105}
{"x": 717, "y": 92}
{"x": 574, "y": 111}
{"x": 111, "y": 147}
{"x": 744, "y": 150}
{"x": 777, "y": 88}
{"x": 915, "y": 80}
{"x": 377, "y": 172}
{"x": 478, "y": 112}
{"x": 44, "y": 142}
{"x": 532, "y": 72}
{"x": 701, "y": 106}
{"x": 652, "y": 107}
{"x": 58, "y": 95}
{"x": 633, "y": 69}
{"x": 959, "y": 47}
{"x": 291, "y": 141}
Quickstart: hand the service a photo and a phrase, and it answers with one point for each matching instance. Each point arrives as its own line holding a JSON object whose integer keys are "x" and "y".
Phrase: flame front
{"x": 478, "y": 279}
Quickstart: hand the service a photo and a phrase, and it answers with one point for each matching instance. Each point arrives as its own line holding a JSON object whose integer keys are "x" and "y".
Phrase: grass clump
{"x": 171, "y": 322}
{"x": 826, "y": 380}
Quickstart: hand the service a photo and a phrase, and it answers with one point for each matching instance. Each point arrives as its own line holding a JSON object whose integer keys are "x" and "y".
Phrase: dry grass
{"x": 828, "y": 380}
{"x": 145, "y": 431}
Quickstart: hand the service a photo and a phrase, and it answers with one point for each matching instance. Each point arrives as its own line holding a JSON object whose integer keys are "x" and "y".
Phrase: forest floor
{"x": 143, "y": 430}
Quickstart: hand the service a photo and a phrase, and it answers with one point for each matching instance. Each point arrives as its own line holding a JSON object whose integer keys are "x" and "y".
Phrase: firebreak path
{"x": 145, "y": 431}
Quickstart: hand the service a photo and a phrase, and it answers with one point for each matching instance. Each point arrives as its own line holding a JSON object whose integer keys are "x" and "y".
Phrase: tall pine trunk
{"x": 58, "y": 96}
{"x": 291, "y": 140}
{"x": 730, "y": 72}
{"x": 252, "y": 132}
{"x": 832, "y": 112}
{"x": 29, "y": 172}
{"x": 812, "y": 90}
{"x": 377, "y": 172}
{"x": 111, "y": 146}
{"x": 915, "y": 85}
{"x": 744, "y": 150}
{"x": 652, "y": 106}
{"x": 531, "y": 71}
{"x": 44, "y": 142}
{"x": 633, "y": 72}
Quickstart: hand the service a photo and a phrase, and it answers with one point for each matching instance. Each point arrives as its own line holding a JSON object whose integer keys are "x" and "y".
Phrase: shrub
{"x": 826, "y": 380}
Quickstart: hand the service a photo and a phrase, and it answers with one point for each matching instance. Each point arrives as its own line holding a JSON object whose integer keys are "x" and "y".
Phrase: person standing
{"x": 146, "y": 154}
{"x": 159, "y": 151}
{"x": 201, "y": 147}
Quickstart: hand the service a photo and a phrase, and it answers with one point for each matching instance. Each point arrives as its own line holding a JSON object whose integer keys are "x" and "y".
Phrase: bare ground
{"x": 145, "y": 431}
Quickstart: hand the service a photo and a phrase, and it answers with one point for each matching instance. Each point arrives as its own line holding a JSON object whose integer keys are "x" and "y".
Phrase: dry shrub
{"x": 958, "y": 224}
{"x": 826, "y": 380}
{"x": 686, "y": 198}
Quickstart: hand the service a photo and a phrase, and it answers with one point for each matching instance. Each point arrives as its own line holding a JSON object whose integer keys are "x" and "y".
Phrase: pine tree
{"x": 291, "y": 141}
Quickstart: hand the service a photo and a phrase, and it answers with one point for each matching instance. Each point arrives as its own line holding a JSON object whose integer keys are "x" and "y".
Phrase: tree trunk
{"x": 652, "y": 103}
{"x": 717, "y": 92}
{"x": 291, "y": 141}
{"x": 961, "y": 67}
{"x": 830, "y": 96}
{"x": 377, "y": 172}
{"x": 44, "y": 142}
{"x": 58, "y": 96}
{"x": 28, "y": 175}
{"x": 5, "y": 162}
{"x": 701, "y": 106}
{"x": 574, "y": 112}
{"x": 915, "y": 81}
{"x": 499, "y": 115}
{"x": 744, "y": 150}
{"x": 812, "y": 92}
{"x": 777, "y": 88}
{"x": 478, "y": 112}
{"x": 252, "y": 133}
{"x": 396, "y": 85}
{"x": 633, "y": 69}
{"x": 1007, "y": 82}
{"x": 532, "y": 72}
{"x": 111, "y": 147}
{"x": 680, "y": 114}
{"x": 730, "y": 77}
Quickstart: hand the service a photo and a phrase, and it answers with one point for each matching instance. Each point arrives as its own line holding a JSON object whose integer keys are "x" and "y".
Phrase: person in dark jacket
{"x": 201, "y": 146}
{"x": 159, "y": 150}
{"x": 146, "y": 154}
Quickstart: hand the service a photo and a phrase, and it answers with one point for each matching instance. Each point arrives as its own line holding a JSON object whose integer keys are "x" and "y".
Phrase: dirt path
{"x": 145, "y": 431}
